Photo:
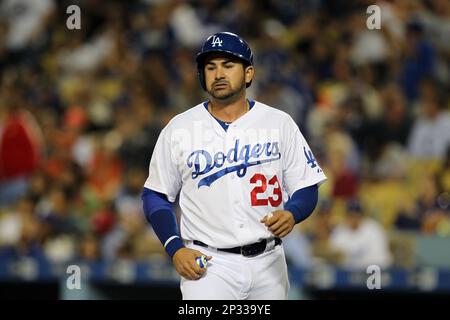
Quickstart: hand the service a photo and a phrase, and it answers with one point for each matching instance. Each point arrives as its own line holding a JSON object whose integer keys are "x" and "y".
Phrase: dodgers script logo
{"x": 238, "y": 158}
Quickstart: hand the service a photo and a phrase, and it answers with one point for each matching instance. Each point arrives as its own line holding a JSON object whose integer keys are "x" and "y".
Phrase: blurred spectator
{"x": 20, "y": 151}
{"x": 25, "y": 19}
{"x": 104, "y": 171}
{"x": 361, "y": 239}
{"x": 61, "y": 225}
{"x": 368, "y": 47}
{"x": 86, "y": 56}
{"x": 22, "y": 233}
{"x": 297, "y": 247}
{"x": 57, "y": 214}
{"x": 430, "y": 136}
{"x": 431, "y": 213}
{"x": 103, "y": 220}
{"x": 395, "y": 125}
{"x": 351, "y": 114}
{"x": 343, "y": 161}
{"x": 13, "y": 221}
{"x": 443, "y": 173}
{"x": 419, "y": 59}
{"x": 391, "y": 164}
{"x": 185, "y": 22}
{"x": 138, "y": 133}
{"x": 89, "y": 250}
{"x": 321, "y": 233}
{"x": 131, "y": 238}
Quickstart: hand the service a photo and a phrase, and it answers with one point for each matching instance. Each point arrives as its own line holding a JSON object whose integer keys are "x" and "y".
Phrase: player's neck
{"x": 229, "y": 111}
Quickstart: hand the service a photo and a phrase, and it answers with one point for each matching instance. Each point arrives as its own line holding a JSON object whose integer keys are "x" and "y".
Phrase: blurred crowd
{"x": 80, "y": 112}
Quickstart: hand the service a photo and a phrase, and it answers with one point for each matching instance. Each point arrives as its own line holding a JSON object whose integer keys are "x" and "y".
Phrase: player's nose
{"x": 219, "y": 73}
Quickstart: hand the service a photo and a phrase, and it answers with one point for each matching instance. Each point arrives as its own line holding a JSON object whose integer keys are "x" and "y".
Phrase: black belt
{"x": 248, "y": 250}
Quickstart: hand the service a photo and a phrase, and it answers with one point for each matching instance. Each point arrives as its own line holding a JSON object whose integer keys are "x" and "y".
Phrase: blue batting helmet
{"x": 226, "y": 42}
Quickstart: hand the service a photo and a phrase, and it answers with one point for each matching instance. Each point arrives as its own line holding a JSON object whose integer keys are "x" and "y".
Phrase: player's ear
{"x": 249, "y": 72}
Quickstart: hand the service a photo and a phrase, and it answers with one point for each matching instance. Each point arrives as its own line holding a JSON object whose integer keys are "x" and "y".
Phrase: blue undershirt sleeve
{"x": 302, "y": 203}
{"x": 159, "y": 213}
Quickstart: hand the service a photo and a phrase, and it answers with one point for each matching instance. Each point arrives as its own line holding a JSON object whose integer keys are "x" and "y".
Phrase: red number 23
{"x": 274, "y": 201}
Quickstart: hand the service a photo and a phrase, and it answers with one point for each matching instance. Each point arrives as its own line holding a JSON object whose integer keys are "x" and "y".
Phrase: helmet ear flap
{"x": 201, "y": 76}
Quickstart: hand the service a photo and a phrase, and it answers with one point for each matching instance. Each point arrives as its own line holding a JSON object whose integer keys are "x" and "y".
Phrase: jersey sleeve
{"x": 164, "y": 175}
{"x": 300, "y": 167}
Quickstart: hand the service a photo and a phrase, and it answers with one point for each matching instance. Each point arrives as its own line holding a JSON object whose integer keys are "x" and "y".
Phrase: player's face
{"x": 226, "y": 77}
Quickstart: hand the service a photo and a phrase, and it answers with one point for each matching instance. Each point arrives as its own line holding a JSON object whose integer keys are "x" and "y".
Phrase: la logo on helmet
{"x": 216, "y": 40}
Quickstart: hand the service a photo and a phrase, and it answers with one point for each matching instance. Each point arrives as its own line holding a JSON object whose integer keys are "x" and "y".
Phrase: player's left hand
{"x": 279, "y": 222}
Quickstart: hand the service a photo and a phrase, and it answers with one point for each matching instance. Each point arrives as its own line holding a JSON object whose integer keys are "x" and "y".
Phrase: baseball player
{"x": 244, "y": 175}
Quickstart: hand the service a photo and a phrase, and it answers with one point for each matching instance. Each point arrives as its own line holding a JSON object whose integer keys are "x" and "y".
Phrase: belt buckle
{"x": 248, "y": 251}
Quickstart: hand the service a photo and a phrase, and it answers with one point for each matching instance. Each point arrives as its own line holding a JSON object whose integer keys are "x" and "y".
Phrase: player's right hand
{"x": 184, "y": 262}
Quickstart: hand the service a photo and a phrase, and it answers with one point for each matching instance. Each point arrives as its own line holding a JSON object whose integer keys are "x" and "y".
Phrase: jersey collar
{"x": 223, "y": 124}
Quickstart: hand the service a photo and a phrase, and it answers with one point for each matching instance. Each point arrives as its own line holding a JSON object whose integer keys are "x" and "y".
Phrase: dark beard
{"x": 229, "y": 96}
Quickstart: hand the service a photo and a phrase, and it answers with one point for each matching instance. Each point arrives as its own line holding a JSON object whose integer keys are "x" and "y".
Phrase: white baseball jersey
{"x": 228, "y": 180}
